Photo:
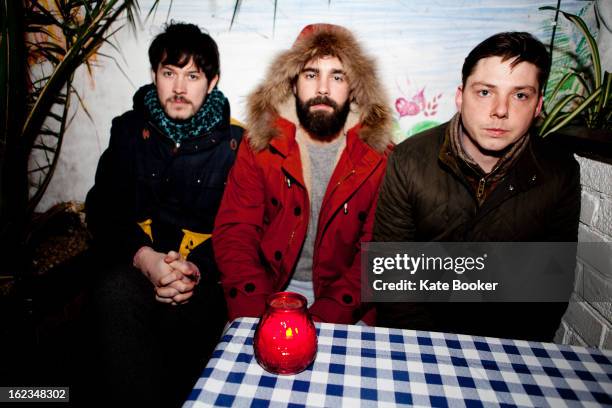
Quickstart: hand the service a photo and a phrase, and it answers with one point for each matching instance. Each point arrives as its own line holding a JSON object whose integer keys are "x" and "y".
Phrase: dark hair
{"x": 521, "y": 46}
{"x": 179, "y": 43}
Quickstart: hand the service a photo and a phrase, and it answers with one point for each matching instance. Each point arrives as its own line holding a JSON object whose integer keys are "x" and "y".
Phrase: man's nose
{"x": 500, "y": 108}
{"x": 322, "y": 88}
{"x": 178, "y": 86}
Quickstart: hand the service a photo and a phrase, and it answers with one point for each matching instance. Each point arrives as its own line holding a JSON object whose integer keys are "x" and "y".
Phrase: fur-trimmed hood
{"x": 367, "y": 95}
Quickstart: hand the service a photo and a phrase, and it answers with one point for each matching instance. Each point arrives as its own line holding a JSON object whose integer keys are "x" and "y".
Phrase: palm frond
{"x": 85, "y": 27}
{"x": 573, "y": 114}
{"x": 592, "y": 104}
{"x": 235, "y": 13}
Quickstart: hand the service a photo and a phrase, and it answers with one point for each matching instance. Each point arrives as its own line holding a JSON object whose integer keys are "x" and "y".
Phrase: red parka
{"x": 263, "y": 219}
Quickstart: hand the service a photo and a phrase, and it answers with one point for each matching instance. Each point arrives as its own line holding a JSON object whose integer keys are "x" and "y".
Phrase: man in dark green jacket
{"x": 158, "y": 308}
{"x": 483, "y": 177}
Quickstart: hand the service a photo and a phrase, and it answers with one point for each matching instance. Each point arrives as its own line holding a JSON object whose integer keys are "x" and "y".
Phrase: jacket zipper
{"x": 345, "y": 207}
{"x": 482, "y": 182}
{"x": 481, "y": 187}
{"x": 343, "y": 180}
{"x": 176, "y": 144}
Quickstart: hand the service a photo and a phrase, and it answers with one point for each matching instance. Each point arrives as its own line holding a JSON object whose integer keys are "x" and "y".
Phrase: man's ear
{"x": 213, "y": 83}
{"x": 153, "y": 77}
{"x": 539, "y": 107}
{"x": 459, "y": 97}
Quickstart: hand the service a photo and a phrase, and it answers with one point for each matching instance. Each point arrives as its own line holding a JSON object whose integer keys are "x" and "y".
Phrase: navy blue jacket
{"x": 143, "y": 175}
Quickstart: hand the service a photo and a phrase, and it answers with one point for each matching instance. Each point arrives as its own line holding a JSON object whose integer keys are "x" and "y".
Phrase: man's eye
{"x": 522, "y": 96}
{"x": 338, "y": 78}
{"x": 309, "y": 75}
{"x": 167, "y": 74}
{"x": 484, "y": 92}
{"x": 194, "y": 76}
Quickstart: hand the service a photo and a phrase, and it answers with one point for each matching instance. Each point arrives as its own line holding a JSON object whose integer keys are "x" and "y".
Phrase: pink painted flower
{"x": 419, "y": 98}
{"x": 406, "y": 108}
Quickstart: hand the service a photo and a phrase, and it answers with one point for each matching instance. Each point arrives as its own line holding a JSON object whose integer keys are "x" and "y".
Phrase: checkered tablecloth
{"x": 379, "y": 367}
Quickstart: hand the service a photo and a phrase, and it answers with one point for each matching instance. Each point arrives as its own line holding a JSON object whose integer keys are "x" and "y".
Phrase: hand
{"x": 153, "y": 265}
{"x": 177, "y": 287}
{"x": 186, "y": 268}
{"x": 168, "y": 281}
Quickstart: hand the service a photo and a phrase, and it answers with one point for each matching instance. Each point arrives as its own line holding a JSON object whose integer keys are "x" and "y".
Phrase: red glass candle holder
{"x": 286, "y": 339}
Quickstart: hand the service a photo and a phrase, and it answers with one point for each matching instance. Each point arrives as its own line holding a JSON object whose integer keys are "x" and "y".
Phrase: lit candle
{"x": 285, "y": 340}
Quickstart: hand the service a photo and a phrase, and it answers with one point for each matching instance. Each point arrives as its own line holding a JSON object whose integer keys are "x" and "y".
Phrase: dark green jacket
{"x": 425, "y": 197}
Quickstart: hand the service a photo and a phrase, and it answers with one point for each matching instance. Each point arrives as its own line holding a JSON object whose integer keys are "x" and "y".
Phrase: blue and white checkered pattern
{"x": 380, "y": 367}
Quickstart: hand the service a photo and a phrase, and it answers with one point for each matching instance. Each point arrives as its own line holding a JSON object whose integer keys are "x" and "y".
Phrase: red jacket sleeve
{"x": 237, "y": 236}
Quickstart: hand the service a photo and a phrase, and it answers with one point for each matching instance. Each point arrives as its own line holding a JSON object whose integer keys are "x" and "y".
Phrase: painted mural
{"x": 419, "y": 47}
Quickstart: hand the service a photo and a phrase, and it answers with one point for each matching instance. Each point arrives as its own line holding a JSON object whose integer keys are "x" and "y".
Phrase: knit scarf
{"x": 505, "y": 163}
{"x": 206, "y": 118}
{"x": 471, "y": 170}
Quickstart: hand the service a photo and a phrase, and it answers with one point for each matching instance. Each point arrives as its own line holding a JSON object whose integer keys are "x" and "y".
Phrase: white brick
{"x": 606, "y": 343}
{"x": 573, "y": 339}
{"x": 596, "y": 288}
{"x": 588, "y": 207}
{"x": 561, "y": 333}
{"x": 586, "y": 234}
{"x": 603, "y": 220}
{"x": 596, "y": 175}
{"x": 604, "y": 309}
{"x": 579, "y": 278}
{"x": 598, "y": 256}
{"x": 584, "y": 322}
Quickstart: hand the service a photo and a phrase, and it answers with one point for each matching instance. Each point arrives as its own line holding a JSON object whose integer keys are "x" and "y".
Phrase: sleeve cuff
{"x": 328, "y": 310}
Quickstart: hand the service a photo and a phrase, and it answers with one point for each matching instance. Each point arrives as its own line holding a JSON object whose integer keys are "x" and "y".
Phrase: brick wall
{"x": 589, "y": 323}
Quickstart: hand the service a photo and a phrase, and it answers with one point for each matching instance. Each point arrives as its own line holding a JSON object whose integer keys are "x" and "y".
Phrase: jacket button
{"x": 278, "y": 255}
{"x": 233, "y": 292}
{"x": 362, "y": 216}
{"x": 274, "y": 201}
{"x": 347, "y": 299}
{"x": 297, "y": 211}
{"x": 249, "y": 287}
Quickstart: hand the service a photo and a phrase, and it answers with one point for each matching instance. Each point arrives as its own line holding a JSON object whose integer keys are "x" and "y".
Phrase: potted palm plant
{"x": 579, "y": 108}
{"x": 42, "y": 43}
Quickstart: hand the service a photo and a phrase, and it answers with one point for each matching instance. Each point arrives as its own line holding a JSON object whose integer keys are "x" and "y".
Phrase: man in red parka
{"x": 302, "y": 194}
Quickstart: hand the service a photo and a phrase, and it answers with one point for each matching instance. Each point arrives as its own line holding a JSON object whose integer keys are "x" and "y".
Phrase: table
{"x": 381, "y": 367}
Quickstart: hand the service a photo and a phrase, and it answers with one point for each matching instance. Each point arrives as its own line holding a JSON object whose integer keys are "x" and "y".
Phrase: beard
{"x": 322, "y": 125}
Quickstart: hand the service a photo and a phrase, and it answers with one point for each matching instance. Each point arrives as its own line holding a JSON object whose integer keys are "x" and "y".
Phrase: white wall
{"x": 418, "y": 45}
{"x": 588, "y": 320}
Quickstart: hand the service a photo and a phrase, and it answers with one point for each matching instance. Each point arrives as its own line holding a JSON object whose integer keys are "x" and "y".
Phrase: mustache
{"x": 321, "y": 100}
{"x": 178, "y": 98}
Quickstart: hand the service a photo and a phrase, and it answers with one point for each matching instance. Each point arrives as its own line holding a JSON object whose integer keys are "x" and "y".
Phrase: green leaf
{"x": 592, "y": 45}
{"x": 607, "y": 89}
{"x": 566, "y": 77}
{"x": 566, "y": 120}
{"x": 552, "y": 117}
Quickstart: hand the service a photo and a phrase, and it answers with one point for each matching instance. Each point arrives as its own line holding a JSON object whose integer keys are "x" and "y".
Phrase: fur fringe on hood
{"x": 318, "y": 40}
